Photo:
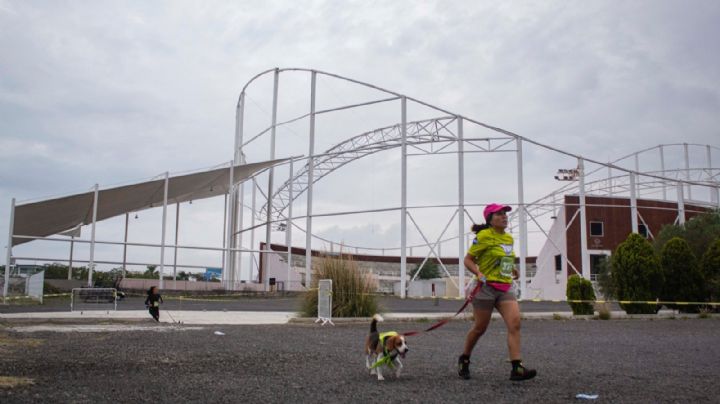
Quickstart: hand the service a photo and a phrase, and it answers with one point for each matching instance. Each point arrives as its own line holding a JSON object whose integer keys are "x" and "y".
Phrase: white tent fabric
{"x": 54, "y": 216}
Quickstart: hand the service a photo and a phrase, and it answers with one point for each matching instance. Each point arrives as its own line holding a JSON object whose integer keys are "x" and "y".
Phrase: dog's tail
{"x": 373, "y": 324}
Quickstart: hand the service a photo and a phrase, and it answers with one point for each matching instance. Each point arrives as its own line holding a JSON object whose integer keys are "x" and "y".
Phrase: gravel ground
{"x": 627, "y": 361}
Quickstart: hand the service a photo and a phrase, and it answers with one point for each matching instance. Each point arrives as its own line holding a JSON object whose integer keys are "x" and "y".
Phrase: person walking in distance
{"x": 153, "y": 302}
{"x": 492, "y": 261}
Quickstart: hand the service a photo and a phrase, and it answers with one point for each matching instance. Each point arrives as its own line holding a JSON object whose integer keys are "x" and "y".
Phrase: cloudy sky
{"x": 113, "y": 92}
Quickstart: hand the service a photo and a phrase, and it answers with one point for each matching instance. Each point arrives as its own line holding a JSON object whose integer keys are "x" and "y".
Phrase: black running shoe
{"x": 522, "y": 373}
{"x": 464, "y": 367}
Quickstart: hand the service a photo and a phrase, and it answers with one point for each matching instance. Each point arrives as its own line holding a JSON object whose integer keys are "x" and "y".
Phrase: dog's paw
{"x": 380, "y": 378}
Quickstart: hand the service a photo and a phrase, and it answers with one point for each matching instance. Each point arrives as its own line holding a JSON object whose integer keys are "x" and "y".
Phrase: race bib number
{"x": 156, "y": 304}
{"x": 507, "y": 265}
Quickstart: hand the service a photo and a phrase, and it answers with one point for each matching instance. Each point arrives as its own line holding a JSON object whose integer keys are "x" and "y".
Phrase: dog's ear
{"x": 390, "y": 342}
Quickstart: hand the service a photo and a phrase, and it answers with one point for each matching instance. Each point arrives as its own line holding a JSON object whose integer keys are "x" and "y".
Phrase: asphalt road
{"x": 623, "y": 361}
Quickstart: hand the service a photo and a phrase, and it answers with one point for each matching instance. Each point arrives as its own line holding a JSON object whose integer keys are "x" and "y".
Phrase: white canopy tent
{"x": 58, "y": 215}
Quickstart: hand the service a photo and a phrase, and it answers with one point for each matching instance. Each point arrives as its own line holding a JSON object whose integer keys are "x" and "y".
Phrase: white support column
{"x": 662, "y": 168}
{"x": 271, "y": 178}
{"x": 226, "y": 224}
{"x": 252, "y": 227}
{"x": 228, "y": 273}
{"x": 288, "y": 227}
{"x": 522, "y": 218}
{"x": 461, "y": 207}
{"x": 311, "y": 167}
{"x": 584, "y": 257}
{"x": 124, "y": 265}
{"x": 713, "y": 191}
{"x": 8, "y": 254}
{"x": 687, "y": 171}
{"x": 403, "y": 197}
{"x": 609, "y": 180}
{"x": 177, "y": 232}
{"x": 162, "y": 240}
{"x": 239, "y": 202}
{"x": 633, "y": 203}
{"x": 72, "y": 246}
{"x": 91, "y": 264}
{"x": 637, "y": 177}
{"x": 681, "y": 203}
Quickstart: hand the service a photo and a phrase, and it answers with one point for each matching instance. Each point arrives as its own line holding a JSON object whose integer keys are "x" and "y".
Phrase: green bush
{"x": 429, "y": 271}
{"x": 579, "y": 288}
{"x": 605, "y": 282}
{"x": 352, "y": 291}
{"x": 710, "y": 268}
{"x": 683, "y": 279}
{"x": 636, "y": 274}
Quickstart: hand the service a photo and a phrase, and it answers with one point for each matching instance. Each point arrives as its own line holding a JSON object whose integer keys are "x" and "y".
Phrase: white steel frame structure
{"x": 445, "y": 134}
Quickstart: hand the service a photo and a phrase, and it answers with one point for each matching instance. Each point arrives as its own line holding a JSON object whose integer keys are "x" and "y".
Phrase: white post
{"x": 662, "y": 167}
{"x": 311, "y": 167}
{"x": 271, "y": 177}
{"x": 226, "y": 225}
{"x": 252, "y": 227}
{"x": 124, "y": 266}
{"x": 403, "y": 197}
{"x": 713, "y": 191}
{"x": 522, "y": 217}
{"x": 8, "y": 256}
{"x": 637, "y": 176}
{"x": 681, "y": 203}
{"x": 91, "y": 264}
{"x": 609, "y": 181}
{"x": 288, "y": 228}
{"x": 633, "y": 203}
{"x": 162, "y": 242}
{"x": 461, "y": 207}
{"x": 70, "y": 263}
{"x": 585, "y": 258}
{"x": 228, "y": 273}
{"x": 687, "y": 171}
{"x": 237, "y": 202}
{"x": 177, "y": 231}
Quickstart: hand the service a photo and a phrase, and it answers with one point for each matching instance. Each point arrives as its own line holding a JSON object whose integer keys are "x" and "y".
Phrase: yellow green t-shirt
{"x": 493, "y": 253}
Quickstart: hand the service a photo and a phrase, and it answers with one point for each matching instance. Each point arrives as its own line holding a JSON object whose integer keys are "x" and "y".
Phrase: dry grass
{"x": 8, "y": 342}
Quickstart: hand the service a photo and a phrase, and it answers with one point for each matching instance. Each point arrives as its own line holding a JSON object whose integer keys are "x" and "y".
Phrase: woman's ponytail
{"x": 476, "y": 228}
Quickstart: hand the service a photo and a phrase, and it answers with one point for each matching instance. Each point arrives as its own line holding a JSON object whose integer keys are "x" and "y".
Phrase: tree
{"x": 683, "y": 279}
{"x": 429, "y": 271}
{"x": 605, "y": 282}
{"x": 710, "y": 269}
{"x": 636, "y": 274}
{"x": 699, "y": 232}
{"x": 150, "y": 272}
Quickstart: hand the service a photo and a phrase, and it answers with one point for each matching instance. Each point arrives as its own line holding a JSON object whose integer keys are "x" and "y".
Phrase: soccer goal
{"x": 93, "y": 299}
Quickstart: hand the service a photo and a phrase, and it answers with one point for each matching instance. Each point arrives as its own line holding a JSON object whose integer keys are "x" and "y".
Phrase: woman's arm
{"x": 472, "y": 266}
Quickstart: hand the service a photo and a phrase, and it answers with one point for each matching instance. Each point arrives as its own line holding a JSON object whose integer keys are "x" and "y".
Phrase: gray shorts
{"x": 488, "y": 297}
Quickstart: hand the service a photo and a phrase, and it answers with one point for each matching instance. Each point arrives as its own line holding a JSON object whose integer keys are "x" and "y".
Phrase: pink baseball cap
{"x": 494, "y": 207}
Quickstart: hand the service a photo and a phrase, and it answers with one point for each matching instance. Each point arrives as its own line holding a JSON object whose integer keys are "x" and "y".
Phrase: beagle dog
{"x": 384, "y": 350}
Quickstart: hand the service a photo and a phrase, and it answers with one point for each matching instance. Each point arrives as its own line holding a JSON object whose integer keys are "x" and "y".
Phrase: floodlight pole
{"x": 584, "y": 257}
{"x": 403, "y": 196}
{"x": 310, "y": 173}
{"x": 633, "y": 203}
{"x": 252, "y": 228}
{"x": 91, "y": 264}
{"x": 609, "y": 180}
{"x": 8, "y": 255}
{"x": 461, "y": 208}
{"x": 713, "y": 191}
{"x": 271, "y": 177}
{"x": 70, "y": 261}
{"x": 522, "y": 217}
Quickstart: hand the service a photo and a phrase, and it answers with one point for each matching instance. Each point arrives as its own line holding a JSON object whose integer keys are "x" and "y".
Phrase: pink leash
{"x": 444, "y": 321}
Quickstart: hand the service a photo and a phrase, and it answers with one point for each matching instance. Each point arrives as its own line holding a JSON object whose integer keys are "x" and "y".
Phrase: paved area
{"x": 638, "y": 361}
